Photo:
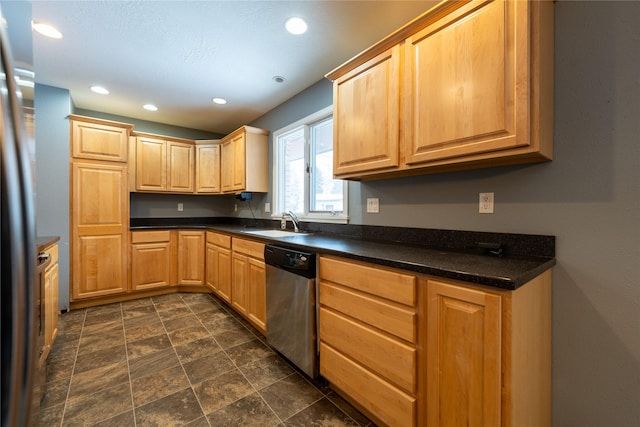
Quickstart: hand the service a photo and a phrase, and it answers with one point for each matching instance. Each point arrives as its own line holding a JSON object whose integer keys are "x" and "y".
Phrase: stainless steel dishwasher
{"x": 291, "y": 305}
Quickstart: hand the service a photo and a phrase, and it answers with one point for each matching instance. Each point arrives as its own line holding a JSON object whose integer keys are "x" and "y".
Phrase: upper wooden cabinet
{"x": 466, "y": 85}
{"x": 164, "y": 164}
{"x": 366, "y": 136}
{"x": 245, "y": 161}
{"x": 208, "y": 167}
{"x": 95, "y": 139}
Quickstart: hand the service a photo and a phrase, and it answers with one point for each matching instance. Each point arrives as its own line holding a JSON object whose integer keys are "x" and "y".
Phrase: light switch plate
{"x": 373, "y": 205}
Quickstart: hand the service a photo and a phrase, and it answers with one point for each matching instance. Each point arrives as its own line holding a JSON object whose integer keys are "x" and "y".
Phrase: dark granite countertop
{"x": 452, "y": 259}
{"x": 43, "y": 242}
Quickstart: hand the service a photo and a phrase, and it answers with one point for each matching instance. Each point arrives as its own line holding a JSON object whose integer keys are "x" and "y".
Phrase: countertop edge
{"x": 512, "y": 282}
{"x": 43, "y": 242}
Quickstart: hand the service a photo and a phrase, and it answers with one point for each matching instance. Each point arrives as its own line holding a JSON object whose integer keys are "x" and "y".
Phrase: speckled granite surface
{"x": 44, "y": 242}
{"x": 450, "y": 254}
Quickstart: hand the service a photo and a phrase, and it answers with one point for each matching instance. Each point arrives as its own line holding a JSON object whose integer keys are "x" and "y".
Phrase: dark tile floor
{"x": 177, "y": 360}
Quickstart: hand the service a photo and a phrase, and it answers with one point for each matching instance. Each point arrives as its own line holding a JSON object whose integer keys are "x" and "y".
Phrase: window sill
{"x": 329, "y": 219}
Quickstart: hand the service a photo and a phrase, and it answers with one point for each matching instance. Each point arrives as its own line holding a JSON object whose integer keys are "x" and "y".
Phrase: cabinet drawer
{"x": 396, "y": 320}
{"x": 388, "y": 284}
{"x": 392, "y": 406}
{"x": 150, "y": 236}
{"x": 388, "y": 357}
{"x": 249, "y": 247}
{"x": 217, "y": 239}
{"x": 53, "y": 253}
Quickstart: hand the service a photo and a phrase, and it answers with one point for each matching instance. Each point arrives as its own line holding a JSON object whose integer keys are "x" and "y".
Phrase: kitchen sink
{"x": 274, "y": 233}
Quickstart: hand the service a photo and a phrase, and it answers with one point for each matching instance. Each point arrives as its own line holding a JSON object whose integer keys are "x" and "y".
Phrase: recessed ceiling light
{"x": 278, "y": 79}
{"x": 46, "y": 30}
{"x": 99, "y": 89}
{"x": 296, "y": 25}
{"x": 150, "y": 107}
{"x": 220, "y": 101}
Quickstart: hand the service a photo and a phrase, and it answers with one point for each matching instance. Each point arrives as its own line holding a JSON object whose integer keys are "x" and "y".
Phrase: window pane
{"x": 292, "y": 187}
{"x": 326, "y": 192}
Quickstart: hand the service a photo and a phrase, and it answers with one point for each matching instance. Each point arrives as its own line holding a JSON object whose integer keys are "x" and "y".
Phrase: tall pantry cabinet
{"x": 99, "y": 207}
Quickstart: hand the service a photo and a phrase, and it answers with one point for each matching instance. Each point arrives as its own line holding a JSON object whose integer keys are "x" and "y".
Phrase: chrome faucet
{"x": 294, "y": 219}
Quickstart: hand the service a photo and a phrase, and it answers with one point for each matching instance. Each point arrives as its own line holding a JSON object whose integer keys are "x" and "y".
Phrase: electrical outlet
{"x": 235, "y": 207}
{"x": 486, "y": 203}
{"x": 267, "y": 207}
{"x": 373, "y": 205}
{"x": 180, "y": 207}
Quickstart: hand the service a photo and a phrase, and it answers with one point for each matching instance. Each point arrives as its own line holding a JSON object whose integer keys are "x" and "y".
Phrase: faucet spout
{"x": 295, "y": 220}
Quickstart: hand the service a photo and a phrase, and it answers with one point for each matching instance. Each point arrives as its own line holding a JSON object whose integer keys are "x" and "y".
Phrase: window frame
{"x": 307, "y": 215}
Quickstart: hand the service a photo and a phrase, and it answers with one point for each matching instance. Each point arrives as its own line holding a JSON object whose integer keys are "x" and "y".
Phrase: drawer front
{"x": 53, "y": 253}
{"x": 386, "y": 356}
{"x": 388, "y": 284}
{"x": 218, "y": 239}
{"x": 249, "y": 247}
{"x": 388, "y": 403}
{"x": 150, "y": 236}
{"x": 394, "y": 319}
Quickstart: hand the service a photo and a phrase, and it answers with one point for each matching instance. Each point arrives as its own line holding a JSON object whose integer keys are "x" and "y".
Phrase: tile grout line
{"x": 126, "y": 353}
{"x": 75, "y": 359}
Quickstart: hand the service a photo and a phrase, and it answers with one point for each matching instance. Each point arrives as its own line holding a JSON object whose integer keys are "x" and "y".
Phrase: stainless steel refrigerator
{"x": 18, "y": 253}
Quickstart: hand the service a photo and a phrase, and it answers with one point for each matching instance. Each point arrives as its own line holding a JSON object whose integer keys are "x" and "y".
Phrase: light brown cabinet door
{"x": 191, "y": 250}
{"x": 180, "y": 167}
{"x": 219, "y": 271}
{"x": 208, "y": 168}
{"x": 239, "y": 162}
{"x": 239, "y": 282}
{"x": 150, "y": 265}
{"x": 51, "y": 302}
{"x": 151, "y": 164}
{"x": 463, "y": 356}
{"x": 366, "y": 116}
{"x": 226, "y": 169}
{"x": 100, "y": 226}
{"x": 467, "y": 83}
{"x": 257, "y": 294}
{"x": 95, "y": 141}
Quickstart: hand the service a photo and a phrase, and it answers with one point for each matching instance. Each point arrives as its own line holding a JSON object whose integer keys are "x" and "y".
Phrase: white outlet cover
{"x": 486, "y": 203}
{"x": 267, "y": 207}
{"x": 373, "y": 205}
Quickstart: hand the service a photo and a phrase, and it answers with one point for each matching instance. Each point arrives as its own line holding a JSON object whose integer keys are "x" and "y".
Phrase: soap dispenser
{"x": 283, "y": 222}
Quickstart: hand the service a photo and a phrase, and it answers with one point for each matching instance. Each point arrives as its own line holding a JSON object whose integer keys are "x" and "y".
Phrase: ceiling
{"x": 178, "y": 55}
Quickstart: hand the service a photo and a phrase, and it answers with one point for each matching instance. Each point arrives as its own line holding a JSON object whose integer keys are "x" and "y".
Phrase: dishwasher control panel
{"x": 299, "y": 262}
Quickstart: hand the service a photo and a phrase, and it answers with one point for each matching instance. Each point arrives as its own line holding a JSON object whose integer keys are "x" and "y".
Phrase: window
{"x": 303, "y": 171}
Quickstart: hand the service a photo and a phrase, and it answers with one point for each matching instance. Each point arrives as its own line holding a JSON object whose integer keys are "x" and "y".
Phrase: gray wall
{"x": 146, "y": 205}
{"x": 52, "y": 106}
{"x": 588, "y": 197}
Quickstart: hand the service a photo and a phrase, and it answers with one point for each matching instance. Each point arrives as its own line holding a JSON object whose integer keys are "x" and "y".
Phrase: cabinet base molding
{"x": 94, "y": 302}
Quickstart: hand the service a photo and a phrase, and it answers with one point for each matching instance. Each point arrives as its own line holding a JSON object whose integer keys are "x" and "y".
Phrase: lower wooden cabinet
{"x": 218, "y": 268}
{"x": 51, "y": 300}
{"x": 368, "y": 338}
{"x": 488, "y": 360}
{"x": 248, "y": 293}
{"x": 191, "y": 255}
{"x": 99, "y": 229}
{"x": 414, "y": 350}
{"x": 151, "y": 259}
{"x": 465, "y": 323}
